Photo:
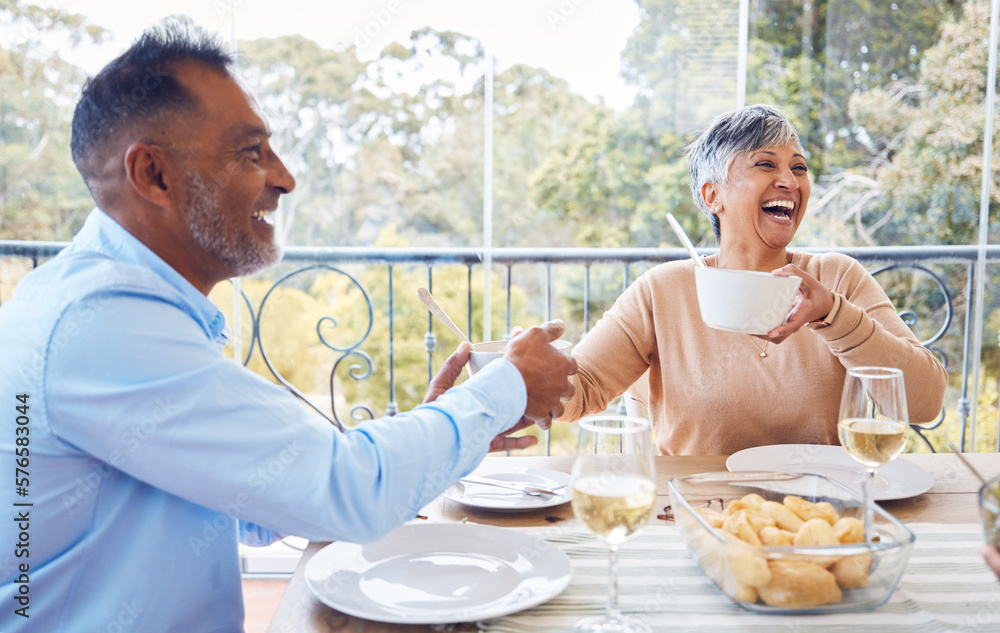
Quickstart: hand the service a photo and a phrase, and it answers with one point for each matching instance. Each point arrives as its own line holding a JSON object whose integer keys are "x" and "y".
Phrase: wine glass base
{"x": 603, "y": 624}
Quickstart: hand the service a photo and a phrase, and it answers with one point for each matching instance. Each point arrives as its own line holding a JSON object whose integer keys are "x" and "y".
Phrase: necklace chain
{"x": 762, "y": 350}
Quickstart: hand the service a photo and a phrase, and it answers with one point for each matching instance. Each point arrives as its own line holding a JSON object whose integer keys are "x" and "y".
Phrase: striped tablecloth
{"x": 946, "y": 587}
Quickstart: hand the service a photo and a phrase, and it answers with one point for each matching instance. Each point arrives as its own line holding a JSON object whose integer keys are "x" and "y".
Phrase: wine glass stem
{"x": 869, "y": 504}
{"x": 613, "y": 613}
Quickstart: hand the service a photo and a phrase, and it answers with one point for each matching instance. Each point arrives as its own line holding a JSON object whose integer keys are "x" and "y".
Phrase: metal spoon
{"x": 428, "y": 300}
{"x": 675, "y": 225}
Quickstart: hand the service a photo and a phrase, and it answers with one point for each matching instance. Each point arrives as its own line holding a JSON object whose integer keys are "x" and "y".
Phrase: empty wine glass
{"x": 873, "y": 424}
{"x": 614, "y": 490}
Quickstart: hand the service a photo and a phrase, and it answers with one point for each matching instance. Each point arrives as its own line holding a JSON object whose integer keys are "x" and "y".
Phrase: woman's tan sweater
{"x": 711, "y": 393}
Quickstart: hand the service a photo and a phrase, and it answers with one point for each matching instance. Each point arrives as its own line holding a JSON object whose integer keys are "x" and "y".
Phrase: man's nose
{"x": 279, "y": 177}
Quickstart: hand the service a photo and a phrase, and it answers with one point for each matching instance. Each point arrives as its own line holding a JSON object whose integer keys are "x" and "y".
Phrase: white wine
{"x": 613, "y": 507}
{"x": 874, "y": 443}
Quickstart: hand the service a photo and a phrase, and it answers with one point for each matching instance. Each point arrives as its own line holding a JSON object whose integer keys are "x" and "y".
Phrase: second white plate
{"x": 899, "y": 479}
{"x": 439, "y": 573}
{"x": 493, "y": 498}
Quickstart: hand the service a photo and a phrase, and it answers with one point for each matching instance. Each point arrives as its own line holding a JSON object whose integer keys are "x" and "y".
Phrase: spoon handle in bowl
{"x": 675, "y": 225}
{"x": 428, "y": 300}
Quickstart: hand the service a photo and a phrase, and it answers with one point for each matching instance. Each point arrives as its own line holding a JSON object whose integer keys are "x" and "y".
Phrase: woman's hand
{"x": 813, "y": 302}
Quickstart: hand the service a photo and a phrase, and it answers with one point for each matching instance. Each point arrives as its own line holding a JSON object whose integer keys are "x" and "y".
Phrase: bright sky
{"x": 578, "y": 40}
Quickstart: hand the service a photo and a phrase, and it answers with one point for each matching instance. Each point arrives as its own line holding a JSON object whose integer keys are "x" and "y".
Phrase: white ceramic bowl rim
{"x": 489, "y": 347}
{"x": 736, "y": 271}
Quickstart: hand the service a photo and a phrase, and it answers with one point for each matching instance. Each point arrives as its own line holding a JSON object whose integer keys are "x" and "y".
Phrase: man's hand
{"x": 545, "y": 370}
{"x": 813, "y": 301}
{"x": 445, "y": 378}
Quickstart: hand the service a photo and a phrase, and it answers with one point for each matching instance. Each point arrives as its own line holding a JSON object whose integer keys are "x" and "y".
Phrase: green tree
{"x": 399, "y": 140}
{"x": 927, "y": 142}
{"x": 614, "y": 181}
{"x": 923, "y": 172}
{"x": 681, "y": 59}
{"x": 810, "y": 58}
{"x": 534, "y": 112}
{"x": 42, "y": 197}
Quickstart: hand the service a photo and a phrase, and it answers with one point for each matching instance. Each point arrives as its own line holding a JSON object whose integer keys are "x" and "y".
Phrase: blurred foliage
{"x": 380, "y": 154}
{"x": 810, "y": 58}
{"x": 42, "y": 197}
{"x": 926, "y": 139}
{"x": 949, "y": 433}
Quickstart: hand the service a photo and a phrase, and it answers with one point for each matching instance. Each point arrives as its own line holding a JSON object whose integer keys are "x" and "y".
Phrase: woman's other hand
{"x": 812, "y": 302}
{"x": 504, "y": 441}
{"x": 449, "y": 372}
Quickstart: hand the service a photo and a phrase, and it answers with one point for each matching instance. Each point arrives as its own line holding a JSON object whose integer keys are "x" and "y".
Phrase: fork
{"x": 528, "y": 490}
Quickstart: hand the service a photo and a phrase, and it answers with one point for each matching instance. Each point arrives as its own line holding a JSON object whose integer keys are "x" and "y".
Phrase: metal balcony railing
{"x": 940, "y": 277}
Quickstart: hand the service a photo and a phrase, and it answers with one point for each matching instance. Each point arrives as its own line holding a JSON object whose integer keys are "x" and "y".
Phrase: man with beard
{"x": 145, "y": 453}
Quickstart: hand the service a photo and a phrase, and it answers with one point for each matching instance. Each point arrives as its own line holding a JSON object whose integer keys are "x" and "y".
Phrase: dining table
{"x": 945, "y": 516}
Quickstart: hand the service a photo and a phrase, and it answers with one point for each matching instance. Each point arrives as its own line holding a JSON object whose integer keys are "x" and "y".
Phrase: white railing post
{"x": 984, "y": 214}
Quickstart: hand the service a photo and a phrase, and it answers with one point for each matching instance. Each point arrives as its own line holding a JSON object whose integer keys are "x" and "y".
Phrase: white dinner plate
{"x": 899, "y": 479}
{"x": 438, "y": 573}
{"x": 488, "y": 497}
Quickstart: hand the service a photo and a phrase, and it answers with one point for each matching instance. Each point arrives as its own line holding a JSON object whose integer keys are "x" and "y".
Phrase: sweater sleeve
{"x": 868, "y": 331}
{"x": 614, "y": 353}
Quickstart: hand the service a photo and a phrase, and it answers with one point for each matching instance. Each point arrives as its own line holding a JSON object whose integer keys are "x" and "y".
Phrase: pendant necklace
{"x": 762, "y": 350}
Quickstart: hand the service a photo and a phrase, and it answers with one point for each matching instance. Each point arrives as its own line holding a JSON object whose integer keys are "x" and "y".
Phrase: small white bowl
{"x": 744, "y": 300}
{"x": 484, "y": 353}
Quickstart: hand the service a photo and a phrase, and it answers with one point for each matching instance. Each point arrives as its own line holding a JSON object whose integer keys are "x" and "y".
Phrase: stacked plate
{"x": 899, "y": 479}
{"x": 487, "y": 497}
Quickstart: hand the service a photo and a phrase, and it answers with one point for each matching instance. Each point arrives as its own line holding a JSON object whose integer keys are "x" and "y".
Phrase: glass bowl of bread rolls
{"x": 778, "y": 542}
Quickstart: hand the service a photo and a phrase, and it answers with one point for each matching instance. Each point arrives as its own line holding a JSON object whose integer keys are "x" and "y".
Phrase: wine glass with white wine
{"x": 873, "y": 424}
{"x": 614, "y": 490}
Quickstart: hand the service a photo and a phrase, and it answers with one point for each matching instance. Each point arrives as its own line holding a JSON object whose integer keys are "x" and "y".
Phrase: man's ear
{"x": 710, "y": 194}
{"x": 147, "y": 173}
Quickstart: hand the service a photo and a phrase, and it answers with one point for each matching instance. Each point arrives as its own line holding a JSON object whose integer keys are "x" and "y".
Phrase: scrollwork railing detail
{"x": 345, "y": 350}
{"x": 947, "y": 340}
{"x": 911, "y": 319}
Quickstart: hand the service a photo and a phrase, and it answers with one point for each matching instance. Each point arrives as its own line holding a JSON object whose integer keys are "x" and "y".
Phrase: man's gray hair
{"x": 729, "y": 135}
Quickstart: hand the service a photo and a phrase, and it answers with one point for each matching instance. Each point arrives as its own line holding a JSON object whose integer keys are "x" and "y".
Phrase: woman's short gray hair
{"x": 730, "y": 134}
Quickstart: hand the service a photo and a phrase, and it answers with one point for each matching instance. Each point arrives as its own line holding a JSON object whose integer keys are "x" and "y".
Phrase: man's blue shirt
{"x": 150, "y": 453}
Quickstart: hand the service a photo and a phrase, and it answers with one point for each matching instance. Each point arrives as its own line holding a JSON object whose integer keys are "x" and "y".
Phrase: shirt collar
{"x": 102, "y": 234}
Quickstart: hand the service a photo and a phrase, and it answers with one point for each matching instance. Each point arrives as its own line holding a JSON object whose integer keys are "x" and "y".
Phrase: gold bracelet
{"x": 830, "y": 316}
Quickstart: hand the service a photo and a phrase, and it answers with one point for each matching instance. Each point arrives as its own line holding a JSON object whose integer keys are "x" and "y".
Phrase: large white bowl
{"x": 744, "y": 300}
{"x": 484, "y": 353}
